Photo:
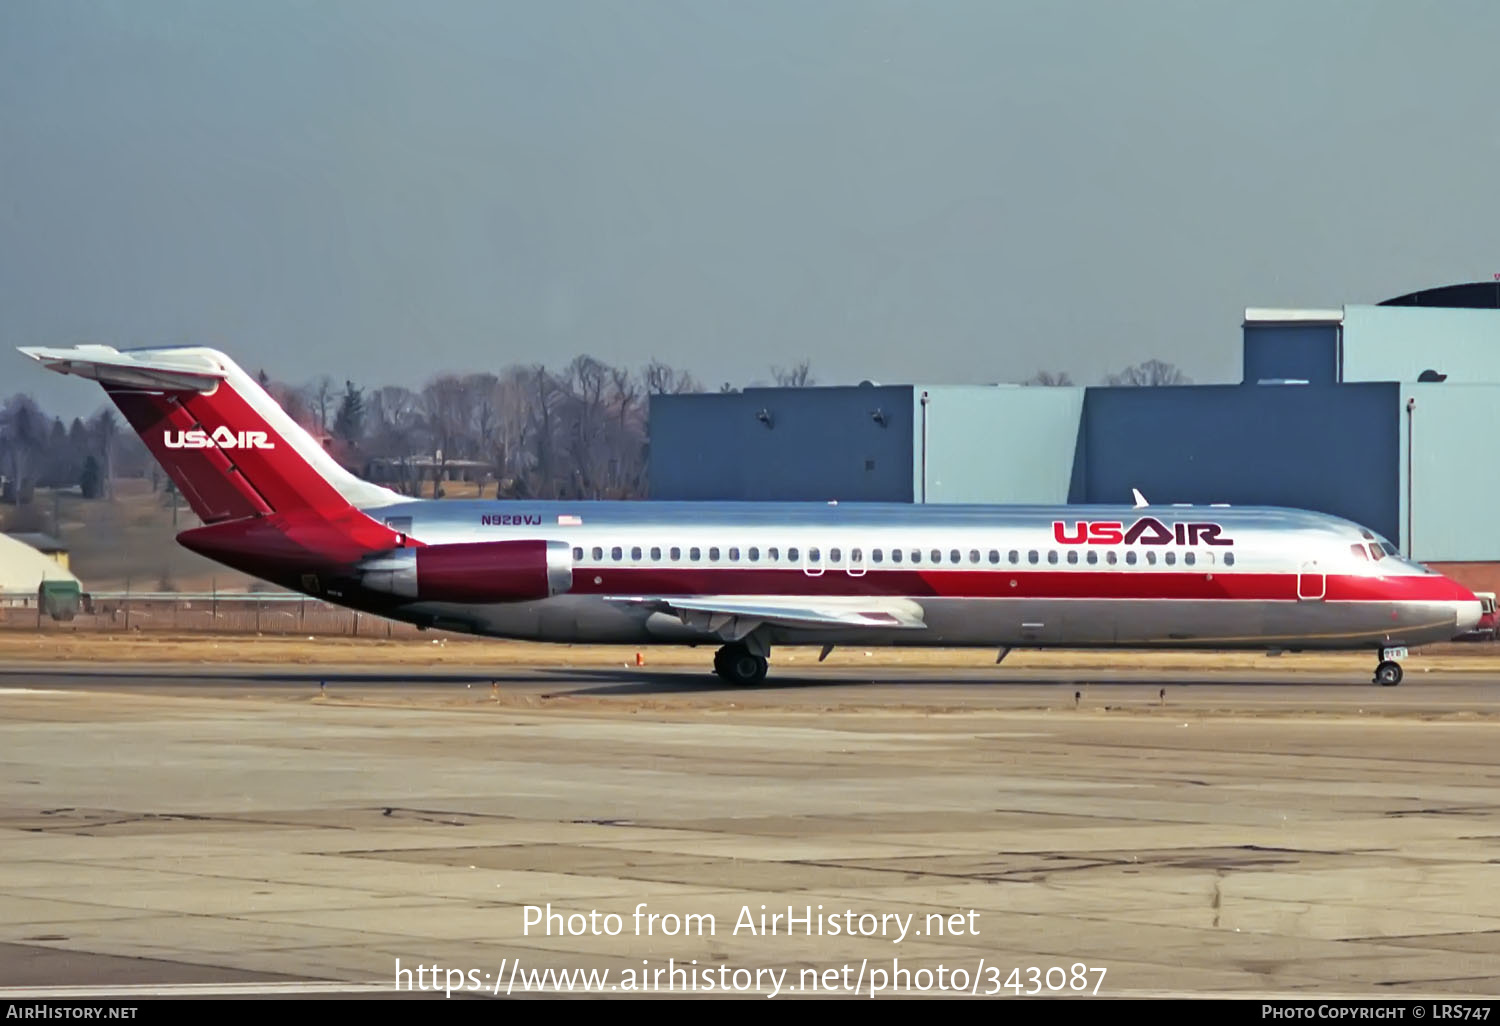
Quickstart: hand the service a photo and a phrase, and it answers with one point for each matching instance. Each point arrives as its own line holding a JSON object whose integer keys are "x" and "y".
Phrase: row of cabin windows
{"x": 935, "y": 556}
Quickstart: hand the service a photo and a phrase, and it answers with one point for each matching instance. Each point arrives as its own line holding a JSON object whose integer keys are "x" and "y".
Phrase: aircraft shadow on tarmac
{"x": 629, "y": 681}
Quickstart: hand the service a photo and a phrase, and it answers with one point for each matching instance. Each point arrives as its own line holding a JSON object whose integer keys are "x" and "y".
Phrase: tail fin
{"x": 229, "y": 447}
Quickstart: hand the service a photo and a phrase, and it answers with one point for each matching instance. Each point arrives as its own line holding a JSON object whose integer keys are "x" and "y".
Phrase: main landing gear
{"x": 736, "y": 664}
{"x": 1388, "y": 673}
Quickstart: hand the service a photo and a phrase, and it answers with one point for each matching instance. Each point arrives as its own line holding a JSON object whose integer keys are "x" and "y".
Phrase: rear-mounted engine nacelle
{"x": 498, "y": 571}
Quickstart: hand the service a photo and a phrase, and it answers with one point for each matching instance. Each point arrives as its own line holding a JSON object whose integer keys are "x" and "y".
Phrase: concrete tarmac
{"x": 248, "y": 829}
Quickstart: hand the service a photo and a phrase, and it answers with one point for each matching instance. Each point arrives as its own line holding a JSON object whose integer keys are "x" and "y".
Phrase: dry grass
{"x": 132, "y": 539}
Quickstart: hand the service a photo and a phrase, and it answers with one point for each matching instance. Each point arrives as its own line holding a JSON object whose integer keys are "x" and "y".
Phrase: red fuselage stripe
{"x": 1080, "y": 584}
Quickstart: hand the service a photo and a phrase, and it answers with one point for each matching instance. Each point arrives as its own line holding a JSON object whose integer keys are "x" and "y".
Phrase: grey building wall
{"x": 1397, "y": 343}
{"x": 852, "y": 444}
{"x": 996, "y": 444}
{"x": 1327, "y": 448}
{"x": 1454, "y": 491}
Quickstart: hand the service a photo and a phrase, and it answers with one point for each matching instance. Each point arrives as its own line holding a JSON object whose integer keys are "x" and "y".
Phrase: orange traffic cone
{"x": 640, "y": 660}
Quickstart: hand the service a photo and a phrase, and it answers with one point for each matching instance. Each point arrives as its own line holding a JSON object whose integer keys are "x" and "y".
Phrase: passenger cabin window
{"x": 1093, "y": 556}
{"x": 713, "y": 554}
{"x": 1015, "y": 557}
{"x": 1033, "y": 556}
{"x": 695, "y": 553}
{"x": 598, "y": 552}
{"x": 791, "y": 554}
{"x": 973, "y": 555}
{"x": 754, "y": 554}
{"x": 635, "y": 553}
{"x": 995, "y": 556}
{"x": 813, "y": 555}
{"x": 1129, "y": 558}
{"x": 676, "y": 553}
{"x": 1229, "y": 559}
{"x": 856, "y": 556}
{"x": 1052, "y": 556}
{"x": 1151, "y": 558}
{"x": 1111, "y": 558}
{"x": 773, "y": 554}
{"x": 916, "y": 555}
{"x": 1073, "y": 555}
{"x": 617, "y": 553}
{"x": 734, "y": 555}
{"x": 937, "y": 557}
{"x": 655, "y": 554}
{"x": 953, "y": 556}
{"x": 1171, "y": 558}
{"x": 834, "y": 555}
{"x": 577, "y": 555}
{"x": 1189, "y": 558}
{"x": 895, "y": 555}
{"x": 876, "y": 556}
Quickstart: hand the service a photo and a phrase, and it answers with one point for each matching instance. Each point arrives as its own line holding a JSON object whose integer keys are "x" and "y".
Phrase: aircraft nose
{"x": 1468, "y": 614}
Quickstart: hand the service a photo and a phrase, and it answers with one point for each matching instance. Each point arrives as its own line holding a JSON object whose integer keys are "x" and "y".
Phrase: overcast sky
{"x": 937, "y": 191}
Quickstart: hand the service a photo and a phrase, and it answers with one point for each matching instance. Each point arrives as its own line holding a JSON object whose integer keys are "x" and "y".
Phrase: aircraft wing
{"x": 733, "y": 616}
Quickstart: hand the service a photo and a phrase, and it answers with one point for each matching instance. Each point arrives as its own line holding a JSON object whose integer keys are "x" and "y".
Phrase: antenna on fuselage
{"x": 1140, "y": 500}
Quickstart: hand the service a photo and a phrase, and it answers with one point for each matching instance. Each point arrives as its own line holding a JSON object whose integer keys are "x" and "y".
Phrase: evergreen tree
{"x": 348, "y": 422}
{"x": 91, "y": 480}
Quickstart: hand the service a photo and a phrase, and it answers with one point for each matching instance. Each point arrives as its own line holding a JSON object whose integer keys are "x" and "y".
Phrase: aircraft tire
{"x": 1388, "y": 674}
{"x": 736, "y": 664}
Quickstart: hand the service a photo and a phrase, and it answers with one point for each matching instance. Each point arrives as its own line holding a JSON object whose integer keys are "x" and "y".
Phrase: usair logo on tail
{"x": 1145, "y": 531}
{"x": 222, "y": 437}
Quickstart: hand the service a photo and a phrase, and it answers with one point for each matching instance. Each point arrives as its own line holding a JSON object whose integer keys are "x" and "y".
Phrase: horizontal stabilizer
{"x": 153, "y": 370}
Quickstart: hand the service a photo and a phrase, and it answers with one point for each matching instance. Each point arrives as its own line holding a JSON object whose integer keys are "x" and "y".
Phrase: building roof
{"x": 1480, "y": 295}
{"x": 1269, "y": 315}
{"x": 23, "y": 568}
{"x": 39, "y": 541}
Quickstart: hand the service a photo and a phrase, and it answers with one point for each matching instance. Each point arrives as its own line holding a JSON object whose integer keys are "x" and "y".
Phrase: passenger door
{"x": 1312, "y": 585}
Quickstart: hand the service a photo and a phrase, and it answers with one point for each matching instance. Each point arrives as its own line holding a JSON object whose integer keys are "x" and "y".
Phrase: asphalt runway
{"x": 241, "y": 829}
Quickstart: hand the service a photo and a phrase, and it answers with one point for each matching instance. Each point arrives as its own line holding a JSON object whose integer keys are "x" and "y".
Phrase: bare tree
{"x": 799, "y": 376}
{"x": 1049, "y": 378}
{"x": 22, "y": 432}
{"x": 105, "y": 430}
{"x": 1150, "y": 373}
{"x": 663, "y": 379}
{"x": 541, "y": 401}
{"x": 449, "y": 403}
{"x": 322, "y": 396}
{"x": 396, "y": 431}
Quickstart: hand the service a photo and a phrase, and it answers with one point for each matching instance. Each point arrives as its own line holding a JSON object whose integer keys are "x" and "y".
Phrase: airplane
{"x": 749, "y": 576}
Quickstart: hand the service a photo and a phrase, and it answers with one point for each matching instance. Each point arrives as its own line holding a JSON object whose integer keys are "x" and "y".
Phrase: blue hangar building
{"x": 1383, "y": 414}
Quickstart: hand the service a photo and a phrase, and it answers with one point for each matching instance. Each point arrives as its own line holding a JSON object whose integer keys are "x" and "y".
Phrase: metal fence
{"x": 206, "y": 613}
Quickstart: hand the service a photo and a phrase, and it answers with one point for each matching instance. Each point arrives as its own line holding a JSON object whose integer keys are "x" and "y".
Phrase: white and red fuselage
{"x": 753, "y": 575}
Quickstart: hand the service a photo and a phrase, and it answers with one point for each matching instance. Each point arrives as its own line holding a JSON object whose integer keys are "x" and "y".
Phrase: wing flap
{"x": 735, "y": 615}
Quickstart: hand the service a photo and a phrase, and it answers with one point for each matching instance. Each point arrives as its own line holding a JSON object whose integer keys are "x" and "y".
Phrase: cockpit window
{"x": 1390, "y": 550}
{"x": 1359, "y": 551}
{"x": 1376, "y": 552}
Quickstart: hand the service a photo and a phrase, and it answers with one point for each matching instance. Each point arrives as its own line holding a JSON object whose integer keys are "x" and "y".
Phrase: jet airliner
{"x": 750, "y": 576}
